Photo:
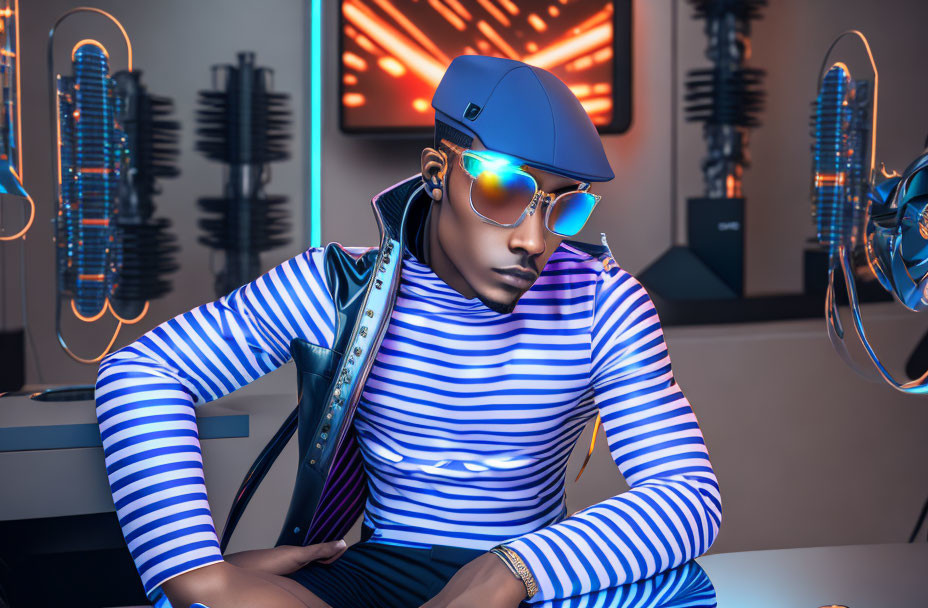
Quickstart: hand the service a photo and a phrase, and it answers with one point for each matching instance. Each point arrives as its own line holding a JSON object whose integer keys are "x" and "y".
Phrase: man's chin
{"x": 503, "y": 308}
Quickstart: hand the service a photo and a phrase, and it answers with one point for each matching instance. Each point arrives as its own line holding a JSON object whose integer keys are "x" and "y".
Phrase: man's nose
{"x": 530, "y": 234}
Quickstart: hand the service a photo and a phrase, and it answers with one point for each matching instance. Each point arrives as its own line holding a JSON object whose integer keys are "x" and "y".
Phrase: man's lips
{"x": 517, "y": 276}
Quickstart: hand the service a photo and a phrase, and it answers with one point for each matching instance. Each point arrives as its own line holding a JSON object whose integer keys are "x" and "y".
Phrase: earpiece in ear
{"x": 436, "y": 181}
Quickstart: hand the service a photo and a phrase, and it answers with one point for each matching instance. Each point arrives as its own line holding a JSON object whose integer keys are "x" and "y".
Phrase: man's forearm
{"x": 223, "y": 585}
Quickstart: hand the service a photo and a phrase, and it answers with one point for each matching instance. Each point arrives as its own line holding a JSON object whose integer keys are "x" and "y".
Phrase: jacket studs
{"x": 357, "y": 351}
{"x": 318, "y": 445}
{"x": 369, "y": 312}
{"x": 378, "y": 283}
{"x": 364, "y": 331}
{"x": 337, "y": 392}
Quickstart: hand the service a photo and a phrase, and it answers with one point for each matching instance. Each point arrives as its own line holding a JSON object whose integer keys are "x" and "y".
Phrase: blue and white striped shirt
{"x": 465, "y": 423}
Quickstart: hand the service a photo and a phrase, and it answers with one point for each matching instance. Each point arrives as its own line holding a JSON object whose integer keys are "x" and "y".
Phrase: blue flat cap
{"x": 523, "y": 111}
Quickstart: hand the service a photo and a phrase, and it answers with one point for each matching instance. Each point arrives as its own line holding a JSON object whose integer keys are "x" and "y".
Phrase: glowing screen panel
{"x": 393, "y": 54}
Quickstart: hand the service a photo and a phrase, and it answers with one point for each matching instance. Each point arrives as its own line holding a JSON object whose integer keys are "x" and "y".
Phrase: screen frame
{"x": 621, "y": 73}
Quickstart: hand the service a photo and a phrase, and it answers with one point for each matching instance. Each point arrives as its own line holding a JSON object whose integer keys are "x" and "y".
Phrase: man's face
{"x": 479, "y": 251}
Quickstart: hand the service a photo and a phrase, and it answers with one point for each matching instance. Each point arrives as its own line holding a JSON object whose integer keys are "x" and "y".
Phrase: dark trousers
{"x": 380, "y": 575}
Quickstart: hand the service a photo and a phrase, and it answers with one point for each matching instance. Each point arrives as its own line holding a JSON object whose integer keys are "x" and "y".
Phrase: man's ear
{"x": 434, "y": 166}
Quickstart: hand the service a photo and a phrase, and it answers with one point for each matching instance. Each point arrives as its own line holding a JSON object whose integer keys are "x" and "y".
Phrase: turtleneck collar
{"x": 420, "y": 282}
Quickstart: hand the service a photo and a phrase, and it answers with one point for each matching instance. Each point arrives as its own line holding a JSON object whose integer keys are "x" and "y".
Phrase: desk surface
{"x": 856, "y": 576}
{"x": 51, "y": 457}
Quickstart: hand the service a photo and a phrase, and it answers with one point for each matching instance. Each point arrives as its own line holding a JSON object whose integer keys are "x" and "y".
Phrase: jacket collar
{"x": 395, "y": 206}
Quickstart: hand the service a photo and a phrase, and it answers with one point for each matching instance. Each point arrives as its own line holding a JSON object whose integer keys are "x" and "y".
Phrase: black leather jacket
{"x": 331, "y": 485}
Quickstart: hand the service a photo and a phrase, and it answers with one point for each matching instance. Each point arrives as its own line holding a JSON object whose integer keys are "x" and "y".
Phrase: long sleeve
{"x": 672, "y": 511}
{"x": 145, "y": 398}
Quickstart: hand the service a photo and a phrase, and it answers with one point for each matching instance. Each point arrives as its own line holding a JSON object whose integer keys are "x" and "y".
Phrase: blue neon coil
{"x": 65, "y": 222}
{"x": 90, "y": 149}
{"x": 840, "y": 153}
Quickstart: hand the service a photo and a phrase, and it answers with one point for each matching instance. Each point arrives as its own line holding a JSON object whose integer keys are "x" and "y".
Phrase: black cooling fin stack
{"x": 144, "y": 249}
{"x": 727, "y": 97}
{"x": 246, "y": 126}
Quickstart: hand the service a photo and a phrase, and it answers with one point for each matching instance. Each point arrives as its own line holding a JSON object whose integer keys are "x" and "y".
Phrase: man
{"x": 505, "y": 339}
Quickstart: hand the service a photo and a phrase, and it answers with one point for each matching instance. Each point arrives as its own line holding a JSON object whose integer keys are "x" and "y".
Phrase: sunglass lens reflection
{"x": 570, "y": 213}
{"x": 501, "y": 195}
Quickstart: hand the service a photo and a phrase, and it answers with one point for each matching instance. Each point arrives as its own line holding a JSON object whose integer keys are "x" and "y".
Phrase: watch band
{"x": 505, "y": 560}
{"x": 517, "y": 566}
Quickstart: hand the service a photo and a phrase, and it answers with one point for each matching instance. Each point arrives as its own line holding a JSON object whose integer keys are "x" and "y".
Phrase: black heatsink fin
{"x": 245, "y": 125}
{"x": 144, "y": 249}
{"x": 727, "y": 97}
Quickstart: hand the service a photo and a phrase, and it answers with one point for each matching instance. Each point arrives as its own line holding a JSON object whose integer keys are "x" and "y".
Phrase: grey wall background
{"x": 807, "y": 453}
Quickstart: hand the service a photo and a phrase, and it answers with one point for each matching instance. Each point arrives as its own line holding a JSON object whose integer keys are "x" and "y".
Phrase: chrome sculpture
{"x": 873, "y": 224}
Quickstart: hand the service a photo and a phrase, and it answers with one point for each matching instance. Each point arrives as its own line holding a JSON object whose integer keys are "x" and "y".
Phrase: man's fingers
{"x": 325, "y": 552}
{"x": 336, "y": 556}
{"x": 287, "y": 558}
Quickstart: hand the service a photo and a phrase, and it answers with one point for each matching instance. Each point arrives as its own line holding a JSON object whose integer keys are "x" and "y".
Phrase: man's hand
{"x": 287, "y": 558}
{"x": 252, "y": 578}
{"x": 485, "y": 582}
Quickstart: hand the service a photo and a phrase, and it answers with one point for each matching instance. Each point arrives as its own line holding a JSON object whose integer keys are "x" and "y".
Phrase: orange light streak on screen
{"x": 497, "y": 14}
{"x": 510, "y": 6}
{"x": 537, "y": 22}
{"x": 571, "y": 46}
{"x": 459, "y": 9}
{"x": 596, "y": 104}
{"x": 487, "y": 30}
{"x": 448, "y": 15}
{"x": 391, "y": 66}
{"x": 353, "y": 100}
{"x": 412, "y": 30}
{"x": 603, "y": 54}
{"x": 601, "y": 16}
{"x": 365, "y": 43}
{"x": 354, "y": 62}
{"x": 580, "y": 64}
{"x": 581, "y": 90}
